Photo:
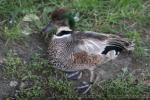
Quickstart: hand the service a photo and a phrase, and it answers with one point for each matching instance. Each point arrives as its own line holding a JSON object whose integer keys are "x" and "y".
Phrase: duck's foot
{"x": 84, "y": 87}
{"x": 73, "y": 75}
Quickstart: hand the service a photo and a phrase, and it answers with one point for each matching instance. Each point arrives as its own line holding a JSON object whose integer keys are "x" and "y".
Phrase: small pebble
{"x": 13, "y": 83}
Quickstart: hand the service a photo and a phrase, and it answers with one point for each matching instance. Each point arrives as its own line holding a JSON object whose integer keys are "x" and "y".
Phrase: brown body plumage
{"x": 68, "y": 52}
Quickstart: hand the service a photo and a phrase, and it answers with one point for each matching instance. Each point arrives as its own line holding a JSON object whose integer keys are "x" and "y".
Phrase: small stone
{"x": 22, "y": 85}
{"x": 125, "y": 69}
{"x": 147, "y": 82}
{"x": 1, "y": 60}
{"x": 13, "y": 83}
{"x": 30, "y": 17}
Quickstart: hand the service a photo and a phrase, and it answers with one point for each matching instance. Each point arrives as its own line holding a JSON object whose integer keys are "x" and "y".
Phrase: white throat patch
{"x": 59, "y": 37}
{"x": 63, "y": 28}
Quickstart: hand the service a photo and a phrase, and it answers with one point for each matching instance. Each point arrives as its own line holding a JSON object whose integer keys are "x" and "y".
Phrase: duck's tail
{"x": 119, "y": 45}
{"x": 123, "y": 43}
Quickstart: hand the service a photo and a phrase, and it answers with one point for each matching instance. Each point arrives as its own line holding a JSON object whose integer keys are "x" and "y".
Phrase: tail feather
{"x": 118, "y": 45}
{"x": 122, "y": 43}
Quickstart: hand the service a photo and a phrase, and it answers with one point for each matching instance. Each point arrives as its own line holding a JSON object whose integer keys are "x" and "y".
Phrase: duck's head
{"x": 61, "y": 21}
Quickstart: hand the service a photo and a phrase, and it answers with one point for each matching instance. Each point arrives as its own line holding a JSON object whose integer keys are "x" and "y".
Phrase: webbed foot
{"x": 84, "y": 87}
{"x": 73, "y": 75}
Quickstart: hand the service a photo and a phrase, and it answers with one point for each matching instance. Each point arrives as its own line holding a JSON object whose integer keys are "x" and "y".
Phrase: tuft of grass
{"x": 62, "y": 87}
{"x": 139, "y": 48}
{"x": 122, "y": 87}
{"x": 14, "y": 66}
{"x": 99, "y": 14}
{"x": 33, "y": 93}
{"x": 39, "y": 73}
{"x": 86, "y": 5}
{"x": 13, "y": 33}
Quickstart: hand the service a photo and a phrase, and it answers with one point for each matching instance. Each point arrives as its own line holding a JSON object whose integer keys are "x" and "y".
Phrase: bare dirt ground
{"x": 24, "y": 50}
{"x": 140, "y": 68}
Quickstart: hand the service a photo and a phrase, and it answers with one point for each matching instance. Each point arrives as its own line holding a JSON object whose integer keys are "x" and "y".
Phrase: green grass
{"x": 40, "y": 74}
{"x": 47, "y": 81}
{"x": 121, "y": 87}
{"x": 13, "y": 34}
{"x": 127, "y": 17}
{"x": 124, "y": 86}
{"x": 110, "y": 16}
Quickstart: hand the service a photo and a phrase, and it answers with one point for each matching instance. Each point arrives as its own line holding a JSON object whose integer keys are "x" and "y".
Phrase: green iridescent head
{"x": 63, "y": 17}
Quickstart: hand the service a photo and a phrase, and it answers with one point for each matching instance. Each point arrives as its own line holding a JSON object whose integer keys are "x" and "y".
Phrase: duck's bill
{"x": 48, "y": 28}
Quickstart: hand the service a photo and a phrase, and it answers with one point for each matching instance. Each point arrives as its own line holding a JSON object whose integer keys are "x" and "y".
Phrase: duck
{"x": 73, "y": 51}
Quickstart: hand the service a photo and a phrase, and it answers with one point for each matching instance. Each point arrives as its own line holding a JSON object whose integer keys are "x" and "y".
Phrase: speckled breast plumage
{"x": 59, "y": 52}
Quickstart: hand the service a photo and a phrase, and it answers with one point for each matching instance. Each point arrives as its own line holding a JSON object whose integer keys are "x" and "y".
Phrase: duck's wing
{"x": 94, "y": 35}
{"x": 107, "y": 40}
{"x": 94, "y": 48}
